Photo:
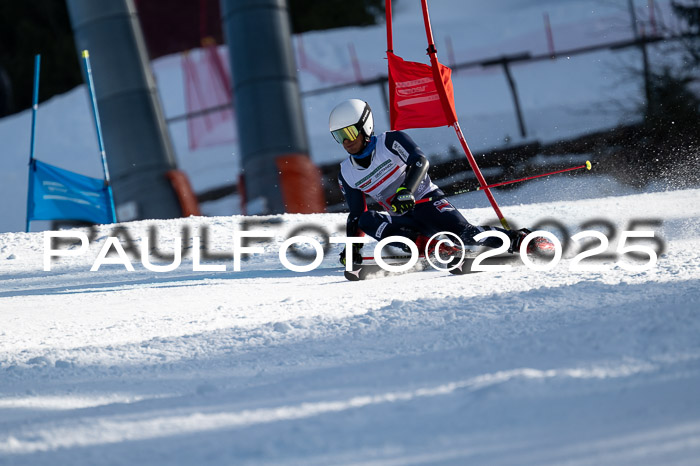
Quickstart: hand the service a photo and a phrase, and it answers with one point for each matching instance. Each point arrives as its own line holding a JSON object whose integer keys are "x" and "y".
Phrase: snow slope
{"x": 268, "y": 366}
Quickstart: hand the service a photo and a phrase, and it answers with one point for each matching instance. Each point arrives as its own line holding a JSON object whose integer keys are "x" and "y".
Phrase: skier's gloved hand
{"x": 355, "y": 254}
{"x": 516, "y": 239}
{"x": 403, "y": 201}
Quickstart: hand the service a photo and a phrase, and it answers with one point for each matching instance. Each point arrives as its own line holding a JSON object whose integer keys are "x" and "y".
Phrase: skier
{"x": 393, "y": 170}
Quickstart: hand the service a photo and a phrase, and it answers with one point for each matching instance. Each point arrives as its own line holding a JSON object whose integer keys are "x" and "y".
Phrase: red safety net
{"x": 208, "y": 97}
{"x": 323, "y": 74}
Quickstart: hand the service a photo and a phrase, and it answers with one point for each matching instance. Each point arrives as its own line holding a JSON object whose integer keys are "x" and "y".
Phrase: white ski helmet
{"x": 350, "y": 118}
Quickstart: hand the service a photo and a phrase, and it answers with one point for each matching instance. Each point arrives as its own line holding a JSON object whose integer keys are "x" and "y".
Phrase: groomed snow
{"x": 268, "y": 366}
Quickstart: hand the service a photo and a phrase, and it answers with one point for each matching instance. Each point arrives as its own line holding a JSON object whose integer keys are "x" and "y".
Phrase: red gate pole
{"x": 389, "y": 29}
{"x": 479, "y": 176}
{"x": 452, "y": 117}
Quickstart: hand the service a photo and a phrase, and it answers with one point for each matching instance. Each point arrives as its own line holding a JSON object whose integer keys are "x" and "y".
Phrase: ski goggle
{"x": 349, "y": 132}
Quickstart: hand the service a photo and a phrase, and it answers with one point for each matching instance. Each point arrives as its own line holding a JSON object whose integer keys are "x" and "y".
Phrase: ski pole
{"x": 588, "y": 165}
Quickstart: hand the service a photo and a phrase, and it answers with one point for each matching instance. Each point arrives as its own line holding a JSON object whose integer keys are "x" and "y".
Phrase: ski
{"x": 540, "y": 246}
{"x": 374, "y": 270}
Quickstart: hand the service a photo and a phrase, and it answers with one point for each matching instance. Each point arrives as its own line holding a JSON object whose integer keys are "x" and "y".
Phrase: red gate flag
{"x": 422, "y": 96}
{"x": 415, "y": 100}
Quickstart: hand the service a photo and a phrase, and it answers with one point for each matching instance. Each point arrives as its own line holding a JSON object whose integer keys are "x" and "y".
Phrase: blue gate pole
{"x": 35, "y": 107}
{"x": 96, "y": 115}
{"x": 35, "y": 103}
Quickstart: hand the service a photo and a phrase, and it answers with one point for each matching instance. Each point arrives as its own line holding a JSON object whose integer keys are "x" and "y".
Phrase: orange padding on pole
{"x": 300, "y": 183}
{"x": 184, "y": 192}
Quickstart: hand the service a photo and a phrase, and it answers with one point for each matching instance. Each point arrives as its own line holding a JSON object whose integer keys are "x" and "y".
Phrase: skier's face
{"x": 356, "y": 146}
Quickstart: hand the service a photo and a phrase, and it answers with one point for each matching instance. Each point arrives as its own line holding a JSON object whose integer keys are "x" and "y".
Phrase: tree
{"x": 310, "y": 15}
{"x": 667, "y": 144}
{"x": 689, "y": 14}
{"x": 28, "y": 28}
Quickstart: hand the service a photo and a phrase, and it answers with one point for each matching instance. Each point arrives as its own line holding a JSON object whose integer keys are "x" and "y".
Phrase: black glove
{"x": 403, "y": 200}
{"x": 356, "y": 254}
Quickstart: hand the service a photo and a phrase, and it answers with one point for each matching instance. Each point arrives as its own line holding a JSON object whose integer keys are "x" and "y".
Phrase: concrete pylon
{"x": 278, "y": 174}
{"x": 137, "y": 144}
